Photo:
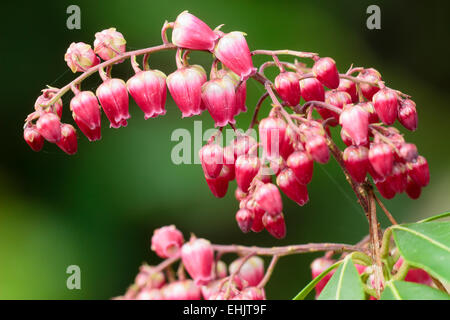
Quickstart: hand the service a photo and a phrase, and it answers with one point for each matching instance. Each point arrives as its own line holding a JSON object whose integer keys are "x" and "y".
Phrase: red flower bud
{"x": 86, "y": 113}
{"x": 68, "y": 142}
{"x": 355, "y": 122}
{"x": 326, "y": 72}
{"x": 147, "y": 277}
{"x": 232, "y": 50}
{"x": 385, "y": 189}
{"x": 275, "y": 225}
{"x": 356, "y": 160}
{"x": 413, "y": 190}
{"x": 338, "y": 99}
{"x": 80, "y": 57}
{"x": 398, "y": 178}
{"x": 219, "y": 97}
{"x": 44, "y": 98}
{"x": 211, "y": 158}
{"x": 349, "y": 87}
{"x": 312, "y": 90}
{"x": 316, "y": 146}
{"x": 288, "y": 87}
{"x": 318, "y": 266}
{"x": 241, "y": 95}
{"x": 33, "y": 138}
{"x": 346, "y": 138}
{"x": 302, "y": 165}
{"x": 244, "y": 218}
{"x": 192, "y": 33}
{"x": 419, "y": 171}
{"x": 252, "y": 271}
{"x": 385, "y": 104}
{"x": 381, "y": 158}
{"x": 242, "y": 145}
{"x": 148, "y": 89}
{"x": 219, "y": 185}
{"x": 407, "y": 114}
{"x": 258, "y": 213}
{"x": 289, "y": 184}
{"x": 268, "y": 198}
{"x": 408, "y": 152}
{"x": 49, "y": 126}
{"x": 182, "y": 290}
{"x": 167, "y": 241}
{"x": 197, "y": 256}
{"x": 368, "y": 106}
{"x": 185, "y": 86}
{"x": 246, "y": 169}
{"x": 109, "y": 43}
{"x": 272, "y": 132}
{"x": 113, "y": 97}
{"x": 370, "y": 75}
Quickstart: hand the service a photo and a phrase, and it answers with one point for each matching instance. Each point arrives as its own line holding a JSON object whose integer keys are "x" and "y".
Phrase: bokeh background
{"x": 98, "y": 208}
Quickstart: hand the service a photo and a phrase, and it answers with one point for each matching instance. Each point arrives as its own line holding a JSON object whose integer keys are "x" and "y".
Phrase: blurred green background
{"x": 98, "y": 209}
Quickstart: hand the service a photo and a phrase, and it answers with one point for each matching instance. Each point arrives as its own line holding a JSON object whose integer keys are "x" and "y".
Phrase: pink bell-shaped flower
{"x": 291, "y": 187}
{"x": 219, "y": 97}
{"x": 326, "y": 72}
{"x": 287, "y": 85}
{"x": 33, "y": 138}
{"x": 211, "y": 158}
{"x": 268, "y": 198}
{"x": 302, "y": 165}
{"x": 68, "y": 142}
{"x": 385, "y": 104}
{"x": 86, "y": 113}
{"x": 49, "y": 126}
{"x": 197, "y": 256}
{"x": 275, "y": 225}
{"x": 80, "y": 57}
{"x": 109, "y": 43}
{"x": 167, "y": 241}
{"x": 246, "y": 169}
{"x": 356, "y": 160}
{"x": 113, "y": 97}
{"x": 355, "y": 121}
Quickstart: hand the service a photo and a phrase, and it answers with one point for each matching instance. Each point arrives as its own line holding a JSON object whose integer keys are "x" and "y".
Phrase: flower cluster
{"x": 295, "y": 134}
{"x": 209, "y": 277}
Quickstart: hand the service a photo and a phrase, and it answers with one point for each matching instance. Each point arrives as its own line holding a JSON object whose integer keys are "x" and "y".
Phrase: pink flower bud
{"x": 33, "y": 138}
{"x": 326, "y": 72}
{"x": 258, "y": 213}
{"x": 68, "y": 142}
{"x": 192, "y": 33}
{"x": 369, "y": 75}
{"x": 211, "y": 158}
{"x": 288, "y": 87}
{"x": 80, "y": 57}
{"x": 413, "y": 190}
{"x": 109, "y": 43}
{"x": 318, "y": 266}
{"x": 44, "y": 98}
{"x": 349, "y": 87}
{"x": 289, "y": 184}
{"x": 149, "y": 294}
{"x": 398, "y": 178}
{"x": 220, "y": 269}
{"x": 408, "y": 152}
{"x": 242, "y": 145}
{"x": 49, "y": 126}
{"x": 336, "y": 98}
{"x": 219, "y": 185}
{"x": 272, "y": 133}
{"x": 346, "y": 137}
{"x": 149, "y": 278}
{"x": 182, "y": 290}
{"x": 239, "y": 194}
{"x": 385, "y": 189}
{"x": 381, "y": 158}
{"x": 252, "y": 271}
{"x": 167, "y": 241}
{"x": 407, "y": 114}
{"x": 244, "y": 218}
{"x": 197, "y": 256}
{"x": 385, "y": 104}
{"x": 210, "y": 289}
{"x": 312, "y": 90}
{"x": 368, "y": 106}
{"x": 316, "y": 146}
{"x": 86, "y": 113}
{"x": 419, "y": 171}
{"x": 356, "y": 160}
{"x": 275, "y": 225}
{"x": 219, "y": 97}
{"x": 246, "y": 169}
{"x": 148, "y": 89}
{"x": 185, "y": 86}
{"x": 302, "y": 165}
{"x": 268, "y": 198}
{"x": 355, "y": 121}
{"x": 113, "y": 97}
{"x": 232, "y": 50}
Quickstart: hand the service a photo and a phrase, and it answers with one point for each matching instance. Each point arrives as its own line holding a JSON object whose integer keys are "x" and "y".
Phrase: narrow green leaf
{"x": 436, "y": 217}
{"x": 306, "y": 290}
{"x": 402, "y": 290}
{"x": 426, "y": 246}
{"x": 345, "y": 284}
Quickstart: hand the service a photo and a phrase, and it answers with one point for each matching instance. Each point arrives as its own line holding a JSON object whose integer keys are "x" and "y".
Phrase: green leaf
{"x": 436, "y": 217}
{"x": 402, "y": 290}
{"x": 426, "y": 246}
{"x": 306, "y": 290}
{"x": 345, "y": 284}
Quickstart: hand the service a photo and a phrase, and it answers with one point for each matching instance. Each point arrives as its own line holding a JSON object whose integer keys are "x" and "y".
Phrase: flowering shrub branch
{"x": 295, "y": 135}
